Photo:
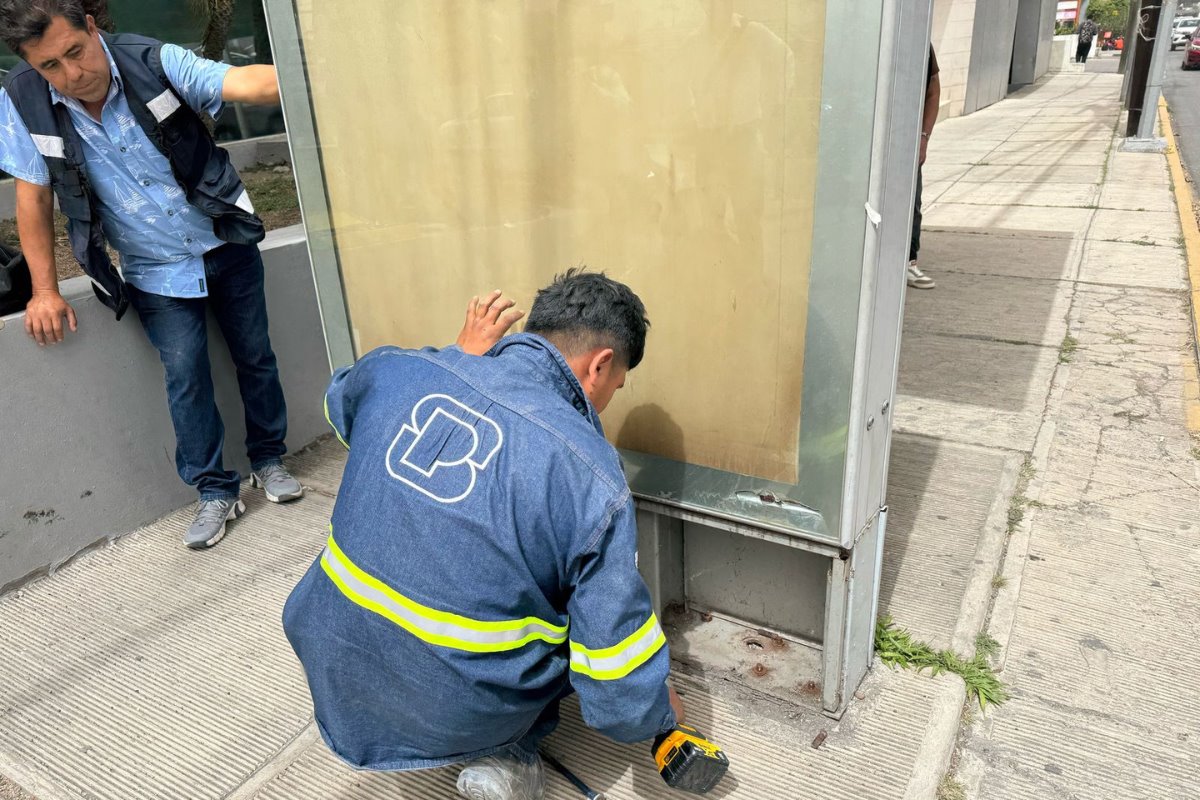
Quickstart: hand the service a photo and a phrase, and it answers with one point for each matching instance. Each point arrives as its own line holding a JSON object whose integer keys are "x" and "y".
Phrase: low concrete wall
{"x": 87, "y": 451}
{"x": 1062, "y": 53}
{"x": 244, "y": 153}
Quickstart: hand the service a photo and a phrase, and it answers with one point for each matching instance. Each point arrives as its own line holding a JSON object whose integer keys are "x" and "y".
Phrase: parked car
{"x": 1182, "y": 30}
{"x": 1191, "y": 58}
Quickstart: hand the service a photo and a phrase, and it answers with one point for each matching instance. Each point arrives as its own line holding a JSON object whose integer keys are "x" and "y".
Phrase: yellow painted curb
{"x": 1191, "y": 242}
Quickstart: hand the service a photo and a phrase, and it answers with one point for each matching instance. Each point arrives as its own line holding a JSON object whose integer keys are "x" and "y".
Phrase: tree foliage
{"x": 1110, "y": 15}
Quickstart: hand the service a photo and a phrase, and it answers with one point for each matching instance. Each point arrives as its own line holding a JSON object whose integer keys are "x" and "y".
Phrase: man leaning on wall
{"x": 111, "y": 126}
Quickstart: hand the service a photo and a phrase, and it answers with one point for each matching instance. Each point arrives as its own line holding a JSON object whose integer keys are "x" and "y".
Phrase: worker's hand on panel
{"x": 488, "y": 319}
{"x": 44, "y": 317}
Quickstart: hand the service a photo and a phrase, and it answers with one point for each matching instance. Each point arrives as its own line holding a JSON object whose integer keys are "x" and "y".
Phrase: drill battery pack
{"x": 689, "y": 762}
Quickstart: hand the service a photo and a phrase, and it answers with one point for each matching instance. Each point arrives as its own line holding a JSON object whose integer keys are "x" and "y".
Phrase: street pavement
{"x": 1182, "y": 90}
{"x": 1043, "y": 487}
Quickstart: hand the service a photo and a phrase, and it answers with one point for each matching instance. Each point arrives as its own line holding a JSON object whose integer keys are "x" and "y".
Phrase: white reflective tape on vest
{"x": 243, "y": 202}
{"x": 164, "y": 105}
{"x": 48, "y": 146}
{"x": 430, "y": 625}
{"x": 613, "y": 663}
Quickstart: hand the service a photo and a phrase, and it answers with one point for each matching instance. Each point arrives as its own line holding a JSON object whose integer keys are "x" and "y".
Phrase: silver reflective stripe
{"x": 435, "y": 631}
{"x": 164, "y": 105}
{"x": 619, "y": 661}
{"x": 49, "y": 146}
{"x": 243, "y": 202}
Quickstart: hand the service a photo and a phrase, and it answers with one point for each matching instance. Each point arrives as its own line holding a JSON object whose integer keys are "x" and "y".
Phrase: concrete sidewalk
{"x": 1043, "y": 488}
{"x": 1063, "y": 321}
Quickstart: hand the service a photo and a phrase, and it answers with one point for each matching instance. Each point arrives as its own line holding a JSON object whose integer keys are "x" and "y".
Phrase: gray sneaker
{"x": 278, "y": 483}
{"x": 208, "y": 527}
{"x": 502, "y": 777}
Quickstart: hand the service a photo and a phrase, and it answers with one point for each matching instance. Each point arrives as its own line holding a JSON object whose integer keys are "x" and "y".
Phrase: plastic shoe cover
{"x": 503, "y": 777}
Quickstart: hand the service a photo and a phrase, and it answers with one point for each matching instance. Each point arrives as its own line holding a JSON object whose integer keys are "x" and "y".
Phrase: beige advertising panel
{"x": 472, "y": 145}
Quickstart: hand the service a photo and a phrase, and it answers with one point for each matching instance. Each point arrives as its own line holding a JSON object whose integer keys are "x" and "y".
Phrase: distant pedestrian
{"x": 929, "y": 114}
{"x": 1087, "y": 32}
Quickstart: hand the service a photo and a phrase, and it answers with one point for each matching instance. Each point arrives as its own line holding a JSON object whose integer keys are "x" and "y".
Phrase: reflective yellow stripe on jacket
{"x": 428, "y": 624}
{"x": 616, "y": 662}
{"x": 336, "y": 432}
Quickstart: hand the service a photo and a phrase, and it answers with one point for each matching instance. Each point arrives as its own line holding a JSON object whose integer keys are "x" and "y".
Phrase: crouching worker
{"x": 481, "y": 563}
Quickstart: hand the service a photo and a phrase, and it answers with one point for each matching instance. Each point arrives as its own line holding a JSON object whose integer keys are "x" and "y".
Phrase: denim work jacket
{"x": 481, "y": 562}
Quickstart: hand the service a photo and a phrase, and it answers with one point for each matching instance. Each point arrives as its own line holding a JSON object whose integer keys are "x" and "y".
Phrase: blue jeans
{"x": 178, "y": 329}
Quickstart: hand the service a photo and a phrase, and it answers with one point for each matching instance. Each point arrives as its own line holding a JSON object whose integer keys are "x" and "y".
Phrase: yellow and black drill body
{"x": 689, "y": 762}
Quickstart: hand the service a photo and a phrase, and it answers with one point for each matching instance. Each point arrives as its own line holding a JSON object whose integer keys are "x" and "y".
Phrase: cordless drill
{"x": 687, "y": 761}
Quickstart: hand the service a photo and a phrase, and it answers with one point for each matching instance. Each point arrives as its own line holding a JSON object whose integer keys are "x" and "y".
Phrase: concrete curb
{"x": 939, "y": 741}
{"x": 1191, "y": 240}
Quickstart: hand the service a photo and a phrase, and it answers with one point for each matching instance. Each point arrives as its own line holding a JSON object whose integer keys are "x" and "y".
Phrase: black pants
{"x": 914, "y": 245}
{"x": 1081, "y": 52}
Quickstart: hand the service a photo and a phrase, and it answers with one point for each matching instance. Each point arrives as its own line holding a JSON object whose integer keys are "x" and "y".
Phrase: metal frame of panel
{"x": 854, "y": 578}
{"x": 305, "y": 146}
{"x": 866, "y": 175}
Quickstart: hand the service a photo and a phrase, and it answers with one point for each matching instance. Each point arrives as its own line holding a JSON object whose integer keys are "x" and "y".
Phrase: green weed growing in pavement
{"x": 999, "y": 582}
{"x": 1019, "y": 502}
{"x": 1016, "y": 512}
{"x": 1196, "y": 453}
{"x": 897, "y": 648}
{"x": 1066, "y": 350}
{"x": 951, "y": 789}
{"x": 1028, "y": 470}
{"x": 986, "y": 645}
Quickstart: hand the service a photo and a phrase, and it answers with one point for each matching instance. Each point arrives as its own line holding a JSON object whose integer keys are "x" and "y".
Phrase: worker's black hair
{"x": 24, "y": 20}
{"x": 583, "y": 310}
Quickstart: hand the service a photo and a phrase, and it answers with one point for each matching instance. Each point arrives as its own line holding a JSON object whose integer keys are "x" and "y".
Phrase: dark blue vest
{"x": 203, "y": 170}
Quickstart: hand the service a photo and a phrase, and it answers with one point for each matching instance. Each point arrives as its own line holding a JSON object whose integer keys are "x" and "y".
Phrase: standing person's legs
{"x": 916, "y": 278}
{"x": 914, "y": 244}
{"x": 177, "y": 328}
{"x": 235, "y": 290}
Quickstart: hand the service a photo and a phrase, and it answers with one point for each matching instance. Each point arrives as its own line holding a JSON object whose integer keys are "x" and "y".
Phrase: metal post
{"x": 1146, "y": 33}
{"x": 1157, "y": 66}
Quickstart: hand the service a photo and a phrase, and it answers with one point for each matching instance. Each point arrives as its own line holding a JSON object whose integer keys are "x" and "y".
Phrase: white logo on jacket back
{"x": 443, "y": 447}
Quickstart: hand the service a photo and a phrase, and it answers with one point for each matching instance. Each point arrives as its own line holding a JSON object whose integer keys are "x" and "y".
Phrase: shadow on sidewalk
{"x": 980, "y": 347}
{"x": 969, "y": 341}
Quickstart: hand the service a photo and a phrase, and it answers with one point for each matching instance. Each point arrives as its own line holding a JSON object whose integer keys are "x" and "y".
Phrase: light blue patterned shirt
{"x": 161, "y": 237}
